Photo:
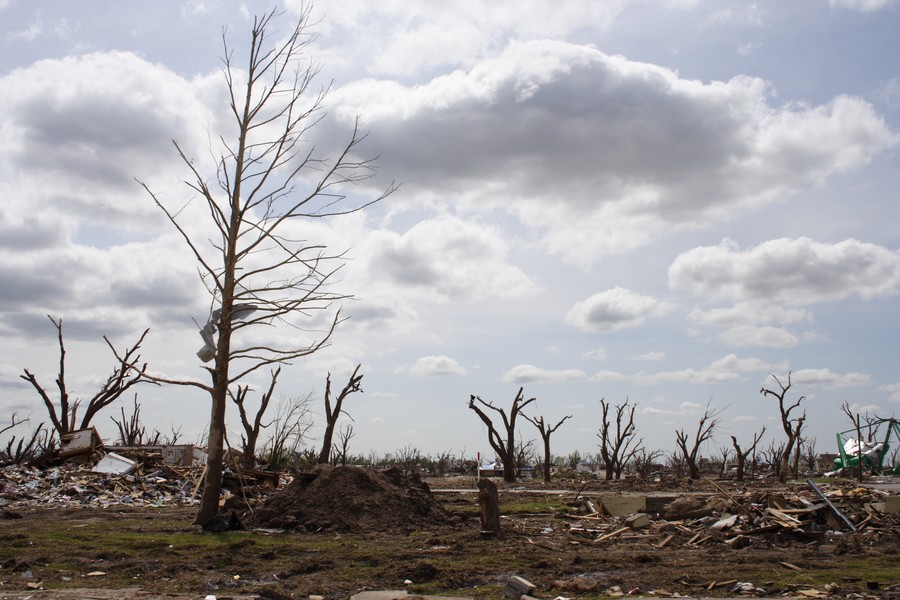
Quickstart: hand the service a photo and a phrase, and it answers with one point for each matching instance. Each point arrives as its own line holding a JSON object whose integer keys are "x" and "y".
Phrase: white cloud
{"x": 752, "y": 335}
{"x": 595, "y": 354}
{"x": 829, "y": 379}
{"x": 727, "y": 368}
{"x": 863, "y": 5}
{"x": 791, "y": 272}
{"x": 893, "y": 391}
{"x": 628, "y": 151}
{"x": 651, "y": 356}
{"x": 608, "y": 376}
{"x": 757, "y": 312}
{"x": 615, "y": 309}
{"x": 444, "y": 259}
{"x": 437, "y": 365}
{"x": 521, "y": 374}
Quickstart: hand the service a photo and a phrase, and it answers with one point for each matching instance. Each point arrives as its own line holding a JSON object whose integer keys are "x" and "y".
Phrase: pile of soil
{"x": 350, "y": 499}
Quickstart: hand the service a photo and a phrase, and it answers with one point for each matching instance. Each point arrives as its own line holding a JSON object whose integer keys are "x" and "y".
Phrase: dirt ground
{"x": 336, "y": 533}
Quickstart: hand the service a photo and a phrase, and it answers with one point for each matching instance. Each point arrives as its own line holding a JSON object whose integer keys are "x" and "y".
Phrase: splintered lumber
{"x": 833, "y": 508}
{"x": 783, "y": 519}
{"x": 788, "y": 565}
{"x": 668, "y": 539}
{"x": 731, "y": 498}
{"x": 612, "y": 535}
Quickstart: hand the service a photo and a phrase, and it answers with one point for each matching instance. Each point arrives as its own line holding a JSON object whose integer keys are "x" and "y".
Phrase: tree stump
{"x": 490, "y": 507}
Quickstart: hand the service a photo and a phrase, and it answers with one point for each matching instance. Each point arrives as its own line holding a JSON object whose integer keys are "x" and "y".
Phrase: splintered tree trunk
{"x": 490, "y": 507}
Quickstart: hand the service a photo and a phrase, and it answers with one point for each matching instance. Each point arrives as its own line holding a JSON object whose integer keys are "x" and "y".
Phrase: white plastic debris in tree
{"x": 238, "y": 311}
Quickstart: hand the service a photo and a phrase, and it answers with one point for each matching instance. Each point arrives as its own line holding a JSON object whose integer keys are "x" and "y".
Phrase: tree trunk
{"x": 490, "y": 507}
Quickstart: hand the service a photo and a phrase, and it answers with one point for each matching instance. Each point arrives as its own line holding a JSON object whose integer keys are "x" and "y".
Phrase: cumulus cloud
{"x": 727, "y": 368}
{"x": 521, "y": 374}
{"x": 615, "y": 309}
{"x": 437, "y": 365}
{"x": 444, "y": 258}
{"x": 829, "y": 379}
{"x": 651, "y": 356}
{"x": 892, "y": 390}
{"x": 628, "y": 151}
{"x": 752, "y": 335}
{"x": 790, "y": 272}
{"x": 863, "y": 5}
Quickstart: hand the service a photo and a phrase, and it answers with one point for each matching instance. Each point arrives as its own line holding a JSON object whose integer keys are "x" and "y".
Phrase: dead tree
{"x": 250, "y": 437}
{"x": 131, "y": 432}
{"x": 644, "y": 461}
{"x": 809, "y": 454}
{"x": 343, "y": 445}
{"x": 619, "y": 446}
{"x": 126, "y": 374}
{"x": 23, "y": 451}
{"x": 741, "y": 455}
{"x": 288, "y": 431}
{"x": 267, "y": 176}
{"x": 791, "y": 426}
{"x": 724, "y": 453}
{"x": 546, "y": 431}
{"x": 505, "y": 448}
{"x": 706, "y": 428}
{"x": 333, "y": 412}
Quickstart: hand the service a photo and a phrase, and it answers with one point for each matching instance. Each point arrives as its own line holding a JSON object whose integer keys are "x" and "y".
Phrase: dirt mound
{"x": 352, "y": 499}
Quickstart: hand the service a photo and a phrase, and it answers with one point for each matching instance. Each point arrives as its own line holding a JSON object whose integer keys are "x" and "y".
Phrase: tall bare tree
{"x": 505, "y": 447}
{"x": 343, "y": 446}
{"x": 289, "y": 428}
{"x": 792, "y": 426}
{"x": 253, "y": 428}
{"x": 258, "y": 269}
{"x": 706, "y": 428}
{"x": 741, "y": 455}
{"x": 126, "y": 374}
{"x": 617, "y": 446}
{"x": 333, "y": 411}
{"x": 546, "y": 431}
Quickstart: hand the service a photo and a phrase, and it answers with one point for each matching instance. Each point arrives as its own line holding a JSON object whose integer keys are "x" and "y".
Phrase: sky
{"x": 664, "y": 203}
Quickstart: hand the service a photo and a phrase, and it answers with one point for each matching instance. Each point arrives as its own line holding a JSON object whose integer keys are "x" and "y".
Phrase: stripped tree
{"x": 126, "y": 374}
{"x": 617, "y": 447}
{"x": 546, "y": 431}
{"x": 504, "y": 445}
{"x": 706, "y": 428}
{"x": 252, "y": 429}
{"x": 266, "y": 181}
{"x": 333, "y": 411}
{"x": 792, "y": 426}
{"x": 740, "y": 455}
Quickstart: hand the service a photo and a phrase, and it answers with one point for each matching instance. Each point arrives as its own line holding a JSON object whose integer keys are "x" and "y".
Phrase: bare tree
{"x": 289, "y": 429}
{"x": 546, "y": 431}
{"x": 131, "y": 431}
{"x": 706, "y": 428}
{"x": 252, "y": 429}
{"x": 644, "y": 460}
{"x": 809, "y": 454}
{"x": 724, "y": 454}
{"x": 617, "y": 447}
{"x": 23, "y": 451}
{"x": 505, "y": 448}
{"x": 741, "y": 455}
{"x": 258, "y": 270}
{"x": 675, "y": 463}
{"x": 124, "y": 375}
{"x": 408, "y": 459}
{"x": 333, "y": 412}
{"x": 791, "y": 426}
{"x": 343, "y": 445}
{"x": 525, "y": 454}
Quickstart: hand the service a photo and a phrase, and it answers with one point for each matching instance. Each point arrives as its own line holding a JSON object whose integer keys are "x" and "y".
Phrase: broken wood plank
{"x": 612, "y": 535}
{"x": 788, "y": 565}
{"x": 668, "y": 539}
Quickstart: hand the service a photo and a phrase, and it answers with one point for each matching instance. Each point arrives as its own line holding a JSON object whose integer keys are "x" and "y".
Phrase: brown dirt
{"x": 352, "y": 500}
{"x": 352, "y": 530}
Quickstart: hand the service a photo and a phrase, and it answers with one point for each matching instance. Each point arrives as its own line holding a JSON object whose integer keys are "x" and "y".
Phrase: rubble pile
{"x": 352, "y": 499}
{"x": 71, "y": 485}
{"x": 743, "y": 519}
